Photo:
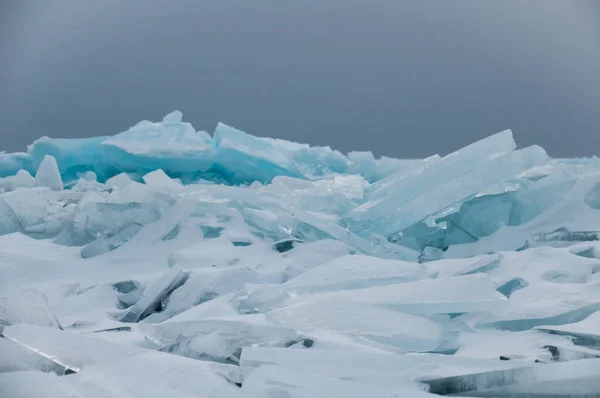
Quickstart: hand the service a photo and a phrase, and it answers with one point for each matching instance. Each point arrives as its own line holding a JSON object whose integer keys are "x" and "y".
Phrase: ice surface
{"x": 184, "y": 264}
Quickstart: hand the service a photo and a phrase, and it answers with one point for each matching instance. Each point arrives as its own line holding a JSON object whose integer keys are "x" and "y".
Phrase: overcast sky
{"x": 401, "y": 78}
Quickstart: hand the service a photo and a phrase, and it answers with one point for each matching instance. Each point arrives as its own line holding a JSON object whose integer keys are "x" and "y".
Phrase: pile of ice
{"x": 166, "y": 262}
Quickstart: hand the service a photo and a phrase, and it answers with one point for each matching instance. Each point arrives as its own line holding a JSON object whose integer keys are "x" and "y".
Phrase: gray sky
{"x": 401, "y": 78}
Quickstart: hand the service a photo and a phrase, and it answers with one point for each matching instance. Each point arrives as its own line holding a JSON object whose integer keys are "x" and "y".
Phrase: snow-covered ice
{"x": 163, "y": 261}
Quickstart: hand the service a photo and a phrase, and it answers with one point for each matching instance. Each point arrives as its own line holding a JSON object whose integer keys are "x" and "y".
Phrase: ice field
{"x": 166, "y": 262}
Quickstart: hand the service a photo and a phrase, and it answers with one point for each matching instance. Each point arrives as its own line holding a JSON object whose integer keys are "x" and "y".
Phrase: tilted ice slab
{"x": 344, "y": 273}
{"x": 390, "y": 215}
{"x": 377, "y": 325}
{"x": 545, "y": 304}
{"x": 585, "y": 332}
{"x": 429, "y": 296}
{"x": 156, "y": 375}
{"x": 70, "y": 350}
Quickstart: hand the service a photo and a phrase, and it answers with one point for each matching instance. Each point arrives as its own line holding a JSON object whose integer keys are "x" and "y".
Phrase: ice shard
{"x": 155, "y": 293}
{"x": 113, "y": 241}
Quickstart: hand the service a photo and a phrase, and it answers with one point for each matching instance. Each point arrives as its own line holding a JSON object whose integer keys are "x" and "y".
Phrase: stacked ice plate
{"x": 163, "y": 261}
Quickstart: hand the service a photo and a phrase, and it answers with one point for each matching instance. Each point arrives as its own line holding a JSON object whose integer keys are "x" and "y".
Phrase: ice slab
{"x": 156, "y": 375}
{"x": 585, "y": 332}
{"x": 217, "y": 340}
{"x": 70, "y": 350}
{"x": 545, "y": 304}
{"x": 429, "y": 296}
{"x": 344, "y": 273}
{"x": 579, "y": 378}
{"x": 155, "y": 294}
{"x": 402, "y": 332}
{"x": 208, "y": 284}
{"x": 16, "y": 357}
{"x": 19, "y": 305}
{"x": 376, "y": 215}
{"x": 414, "y": 182}
{"x": 276, "y": 381}
{"x": 387, "y": 370}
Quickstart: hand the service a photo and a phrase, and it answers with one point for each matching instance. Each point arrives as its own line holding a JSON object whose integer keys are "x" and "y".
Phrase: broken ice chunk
{"x": 48, "y": 174}
{"x": 155, "y": 293}
{"x": 216, "y": 340}
{"x": 111, "y": 242}
{"x": 391, "y": 215}
{"x": 534, "y": 198}
{"x": 206, "y": 285}
{"x": 28, "y": 205}
{"x": 120, "y": 181}
{"x": 21, "y": 180}
{"x": 19, "y": 305}
{"x": 161, "y": 182}
{"x": 71, "y": 350}
{"x": 9, "y": 222}
{"x": 377, "y": 325}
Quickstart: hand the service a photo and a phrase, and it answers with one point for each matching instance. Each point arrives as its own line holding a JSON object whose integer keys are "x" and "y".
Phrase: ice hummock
{"x": 163, "y": 261}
